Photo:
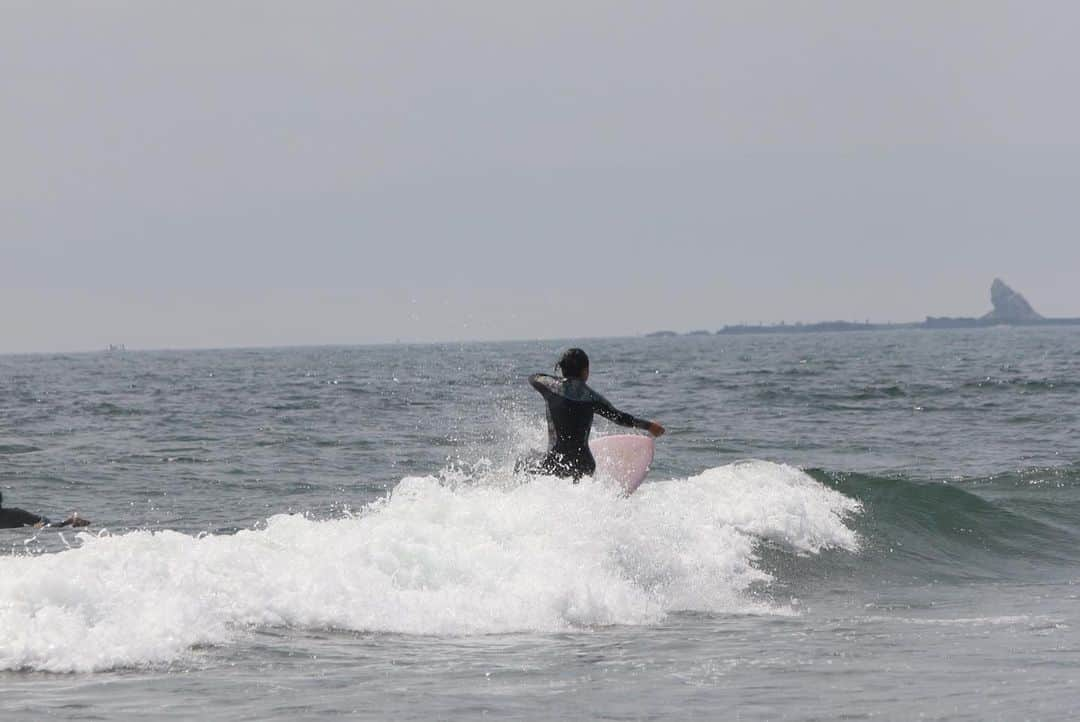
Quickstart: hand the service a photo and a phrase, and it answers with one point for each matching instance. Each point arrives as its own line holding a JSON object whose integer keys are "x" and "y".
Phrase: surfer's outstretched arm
{"x": 603, "y": 407}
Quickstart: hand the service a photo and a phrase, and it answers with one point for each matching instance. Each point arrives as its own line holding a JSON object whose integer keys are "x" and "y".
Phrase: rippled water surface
{"x": 856, "y": 524}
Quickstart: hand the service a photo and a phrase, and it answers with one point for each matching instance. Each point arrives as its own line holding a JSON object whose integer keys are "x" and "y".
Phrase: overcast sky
{"x": 203, "y": 174}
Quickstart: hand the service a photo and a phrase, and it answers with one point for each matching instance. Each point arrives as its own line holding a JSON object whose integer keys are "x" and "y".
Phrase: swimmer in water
{"x": 13, "y": 518}
{"x": 570, "y": 408}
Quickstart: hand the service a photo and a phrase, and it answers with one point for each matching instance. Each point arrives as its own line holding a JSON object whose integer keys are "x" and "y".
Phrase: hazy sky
{"x": 189, "y": 174}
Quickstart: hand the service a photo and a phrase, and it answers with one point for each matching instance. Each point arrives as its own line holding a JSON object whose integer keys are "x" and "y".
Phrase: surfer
{"x": 12, "y": 518}
{"x": 570, "y": 408}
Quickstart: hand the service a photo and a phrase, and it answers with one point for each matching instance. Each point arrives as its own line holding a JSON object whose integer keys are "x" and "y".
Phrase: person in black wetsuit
{"x": 571, "y": 405}
{"x": 12, "y": 518}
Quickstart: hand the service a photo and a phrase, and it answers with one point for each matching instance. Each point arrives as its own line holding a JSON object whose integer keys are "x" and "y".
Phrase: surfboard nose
{"x": 623, "y": 458}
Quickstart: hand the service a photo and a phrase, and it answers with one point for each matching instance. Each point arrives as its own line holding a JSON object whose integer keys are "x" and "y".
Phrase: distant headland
{"x": 1010, "y": 308}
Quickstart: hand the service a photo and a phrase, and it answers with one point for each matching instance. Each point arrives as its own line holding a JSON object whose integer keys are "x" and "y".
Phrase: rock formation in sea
{"x": 1009, "y": 306}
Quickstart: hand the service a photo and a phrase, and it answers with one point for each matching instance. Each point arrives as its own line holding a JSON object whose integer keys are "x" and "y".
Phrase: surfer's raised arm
{"x": 544, "y": 383}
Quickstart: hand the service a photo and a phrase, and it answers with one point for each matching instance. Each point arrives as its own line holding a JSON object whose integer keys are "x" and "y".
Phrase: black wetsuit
{"x": 570, "y": 408}
{"x": 12, "y": 518}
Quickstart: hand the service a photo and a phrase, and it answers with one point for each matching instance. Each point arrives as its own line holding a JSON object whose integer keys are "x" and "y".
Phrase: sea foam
{"x": 432, "y": 558}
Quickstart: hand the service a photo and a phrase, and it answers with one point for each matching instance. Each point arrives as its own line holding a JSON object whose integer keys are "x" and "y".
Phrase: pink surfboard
{"x": 623, "y": 458}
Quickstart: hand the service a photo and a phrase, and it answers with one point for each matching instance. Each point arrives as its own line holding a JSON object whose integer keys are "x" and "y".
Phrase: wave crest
{"x": 430, "y": 558}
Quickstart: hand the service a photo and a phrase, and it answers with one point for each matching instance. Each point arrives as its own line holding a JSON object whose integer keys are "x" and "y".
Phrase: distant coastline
{"x": 1009, "y": 309}
{"x": 931, "y": 322}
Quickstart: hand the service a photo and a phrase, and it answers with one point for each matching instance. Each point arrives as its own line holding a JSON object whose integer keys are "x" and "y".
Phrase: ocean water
{"x": 855, "y": 525}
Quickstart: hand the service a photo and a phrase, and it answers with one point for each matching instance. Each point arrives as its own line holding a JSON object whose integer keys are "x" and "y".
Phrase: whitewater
{"x": 432, "y": 558}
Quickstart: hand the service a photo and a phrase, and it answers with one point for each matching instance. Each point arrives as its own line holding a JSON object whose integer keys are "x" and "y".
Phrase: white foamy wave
{"x": 431, "y": 558}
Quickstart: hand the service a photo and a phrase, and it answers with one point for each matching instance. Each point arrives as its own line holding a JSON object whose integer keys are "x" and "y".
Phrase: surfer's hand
{"x": 75, "y": 520}
{"x": 656, "y": 429}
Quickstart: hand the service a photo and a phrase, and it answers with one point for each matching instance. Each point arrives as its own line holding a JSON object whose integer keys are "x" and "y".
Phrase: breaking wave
{"x": 434, "y": 557}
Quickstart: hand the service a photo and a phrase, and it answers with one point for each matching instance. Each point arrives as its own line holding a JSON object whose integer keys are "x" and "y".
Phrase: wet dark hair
{"x": 573, "y": 363}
